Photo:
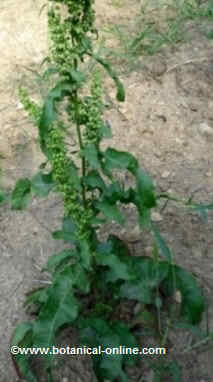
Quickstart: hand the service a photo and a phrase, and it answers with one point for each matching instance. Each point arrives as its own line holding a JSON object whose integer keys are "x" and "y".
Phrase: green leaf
{"x": 128, "y": 196}
{"x": 97, "y": 221}
{"x": 145, "y": 189}
{"x": 203, "y": 214}
{"x": 49, "y": 72}
{"x": 61, "y": 308}
{"x": 114, "y": 193}
{"x": 112, "y": 212}
{"x": 68, "y": 231}
{"x": 137, "y": 290}
{"x": 95, "y": 332}
{"x": 144, "y": 197}
{"x": 90, "y": 152}
{"x": 175, "y": 370}
{"x": 81, "y": 278}
{"x": 85, "y": 254}
{"x": 152, "y": 272}
{"x": 115, "y": 254}
{"x": 111, "y": 366}
{"x": 202, "y": 209}
{"x": 118, "y": 269}
{"x": 151, "y": 275}
{"x": 21, "y": 333}
{"x": 119, "y": 247}
{"x": 61, "y": 258}
{"x": 77, "y": 76}
{"x": 105, "y": 248}
{"x": 21, "y": 194}
{"x": 193, "y": 304}
{"x": 48, "y": 116}
{"x": 106, "y": 130}
{"x": 77, "y": 275}
{"x": 36, "y": 296}
{"x": 22, "y": 338}
{"x": 49, "y": 111}
{"x": 126, "y": 339}
{"x": 42, "y": 184}
{"x": 120, "y": 159}
{"x": 162, "y": 246}
{"x": 120, "y": 89}
{"x": 74, "y": 176}
{"x": 93, "y": 180}
{"x": 144, "y": 213}
{"x": 99, "y": 325}
{"x": 3, "y": 197}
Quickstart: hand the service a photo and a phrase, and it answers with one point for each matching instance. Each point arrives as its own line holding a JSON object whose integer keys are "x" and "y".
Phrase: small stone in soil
{"x": 156, "y": 217}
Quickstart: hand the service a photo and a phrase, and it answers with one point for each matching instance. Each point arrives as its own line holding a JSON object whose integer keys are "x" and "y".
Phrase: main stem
{"x": 83, "y": 161}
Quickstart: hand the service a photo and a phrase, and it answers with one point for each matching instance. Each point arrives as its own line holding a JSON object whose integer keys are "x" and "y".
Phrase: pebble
{"x": 132, "y": 235}
{"x": 158, "y": 67}
{"x": 148, "y": 251}
{"x": 208, "y": 173}
{"x": 206, "y": 130}
{"x": 156, "y": 217}
{"x": 177, "y": 297}
{"x": 165, "y": 174}
{"x": 157, "y": 154}
{"x": 137, "y": 308}
{"x": 19, "y": 106}
{"x": 170, "y": 191}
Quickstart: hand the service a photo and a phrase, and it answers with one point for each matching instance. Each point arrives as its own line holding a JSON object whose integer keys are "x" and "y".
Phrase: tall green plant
{"x": 92, "y": 196}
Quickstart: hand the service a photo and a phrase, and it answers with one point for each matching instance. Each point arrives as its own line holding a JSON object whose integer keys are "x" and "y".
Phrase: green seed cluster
{"x": 62, "y": 54}
{"x": 69, "y": 37}
{"x": 62, "y": 166}
{"x": 30, "y": 106}
{"x": 89, "y": 112}
{"x": 61, "y": 163}
{"x": 71, "y": 40}
{"x": 93, "y": 108}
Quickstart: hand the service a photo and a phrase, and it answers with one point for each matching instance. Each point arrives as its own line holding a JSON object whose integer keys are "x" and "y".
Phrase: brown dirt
{"x": 166, "y": 121}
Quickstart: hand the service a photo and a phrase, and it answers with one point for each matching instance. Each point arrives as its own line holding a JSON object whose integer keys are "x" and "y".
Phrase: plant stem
{"x": 168, "y": 197}
{"x": 198, "y": 344}
{"x": 83, "y": 161}
{"x": 165, "y": 336}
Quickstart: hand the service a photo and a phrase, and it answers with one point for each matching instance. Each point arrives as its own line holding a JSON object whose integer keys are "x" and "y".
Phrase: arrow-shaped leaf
{"x": 21, "y": 194}
{"x": 22, "y": 338}
{"x": 120, "y": 159}
{"x": 61, "y": 308}
{"x": 193, "y": 304}
{"x": 42, "y": 184}
{"x": 164, "y": 249}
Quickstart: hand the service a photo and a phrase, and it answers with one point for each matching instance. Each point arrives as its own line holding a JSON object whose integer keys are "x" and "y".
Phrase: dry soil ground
{"x": 166, "y": 121}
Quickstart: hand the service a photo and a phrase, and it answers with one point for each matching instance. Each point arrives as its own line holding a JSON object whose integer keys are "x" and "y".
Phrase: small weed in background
{"x": 117, "y": 3}
{"x": 158, "y": 25}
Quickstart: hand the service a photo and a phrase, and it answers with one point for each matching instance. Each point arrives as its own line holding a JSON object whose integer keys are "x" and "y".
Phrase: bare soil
{"x": 166, "y": 121}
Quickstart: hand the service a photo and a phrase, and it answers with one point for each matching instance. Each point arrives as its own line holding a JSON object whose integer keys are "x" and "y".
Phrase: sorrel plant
{"x": 101, "y": 273}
